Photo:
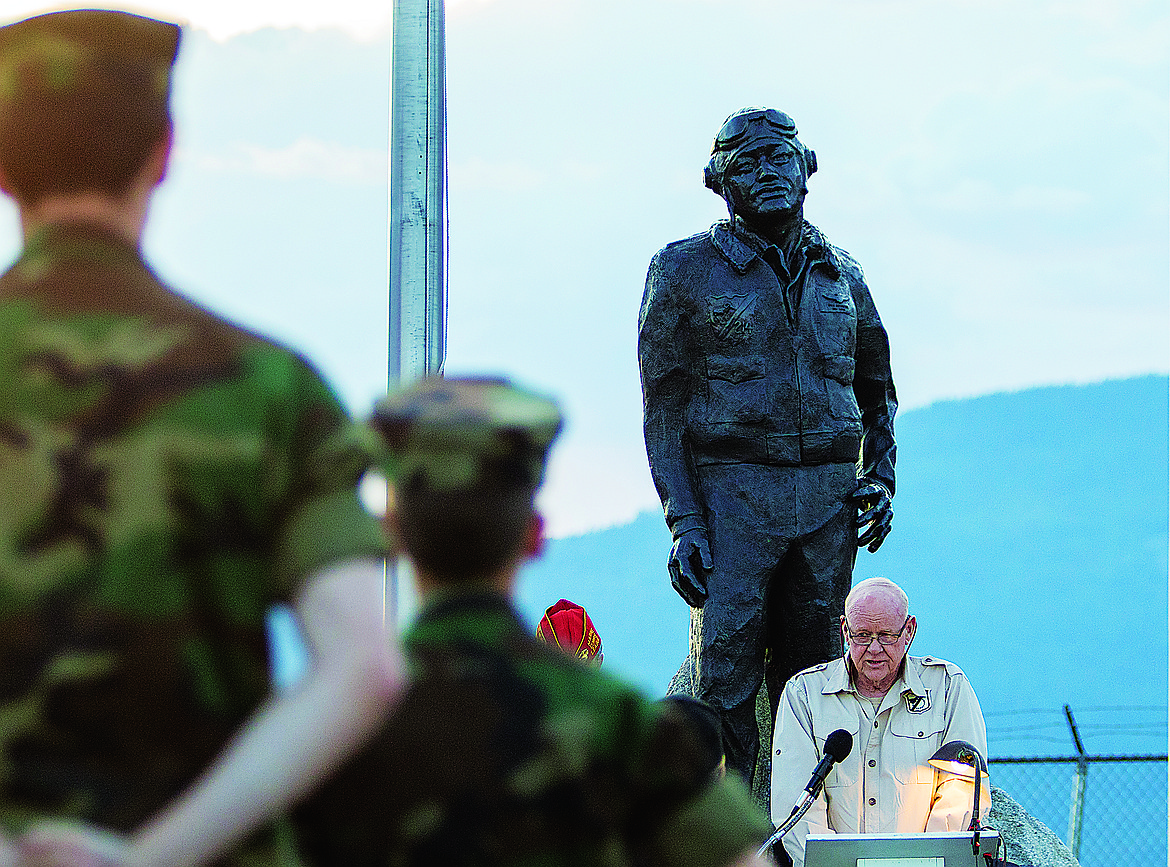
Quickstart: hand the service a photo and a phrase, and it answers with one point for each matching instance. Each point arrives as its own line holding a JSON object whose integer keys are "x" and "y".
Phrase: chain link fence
{"x": 1109, "y": 810}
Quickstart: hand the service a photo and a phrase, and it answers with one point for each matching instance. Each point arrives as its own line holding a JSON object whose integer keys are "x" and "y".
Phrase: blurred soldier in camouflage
{"x": 506, "y": 750}
{"x": 165, "y": 477}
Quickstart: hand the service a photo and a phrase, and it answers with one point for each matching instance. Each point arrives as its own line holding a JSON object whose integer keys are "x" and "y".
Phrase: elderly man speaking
{"x": 899, "y": 709}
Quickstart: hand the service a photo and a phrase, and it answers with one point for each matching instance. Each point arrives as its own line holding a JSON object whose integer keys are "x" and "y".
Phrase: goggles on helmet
{"x": 736, "y": 128}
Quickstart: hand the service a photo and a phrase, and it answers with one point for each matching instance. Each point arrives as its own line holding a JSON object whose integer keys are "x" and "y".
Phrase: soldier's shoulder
{"x": 840, "y": 258}
{"x": 215, "y": 336}
{"x": 684, "y": 248}
{"x": 933, "y": 666}
{"x": 819, "y": 671}
{"x": 677, "y": 264}
{"x": 848, "y": 266}
{"x": 565, "y": 679}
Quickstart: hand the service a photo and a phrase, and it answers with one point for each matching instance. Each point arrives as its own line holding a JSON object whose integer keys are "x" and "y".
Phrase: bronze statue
{"x": 769, "y": 421}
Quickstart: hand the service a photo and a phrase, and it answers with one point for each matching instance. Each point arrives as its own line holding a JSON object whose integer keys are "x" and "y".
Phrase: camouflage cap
{"x": 82, "y": 50}
{"x": 455, "y": 433}
{"x": 68, "y": 76}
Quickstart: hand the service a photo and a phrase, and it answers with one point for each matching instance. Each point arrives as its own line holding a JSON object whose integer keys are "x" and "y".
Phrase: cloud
{"x": 304, "y": 158}
{"x": 591, "y": 486}
{"x": 480, "y": 174}
{"x": 224, "y": 19}
{"x": 1052, "y": 200}
{"x": 969, "y": 195}
{"x": 511, "y": 175}
{"x": 1140, "y": 47}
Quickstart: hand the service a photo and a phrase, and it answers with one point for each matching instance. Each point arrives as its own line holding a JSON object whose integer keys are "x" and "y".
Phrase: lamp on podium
{"x": 963, "y": 760}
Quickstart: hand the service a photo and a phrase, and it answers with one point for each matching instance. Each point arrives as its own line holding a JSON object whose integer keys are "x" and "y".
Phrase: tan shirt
{"x": 884, "y": 785}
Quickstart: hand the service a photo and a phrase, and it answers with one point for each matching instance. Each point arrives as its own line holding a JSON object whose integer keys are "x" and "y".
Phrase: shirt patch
{"x": 835, "y": 299}
{"x": 918, "y": 703}
{"x": 730, "y": 315}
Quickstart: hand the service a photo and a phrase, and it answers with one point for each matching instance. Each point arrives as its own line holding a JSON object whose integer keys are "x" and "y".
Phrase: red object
{"x": 566, "y": 625}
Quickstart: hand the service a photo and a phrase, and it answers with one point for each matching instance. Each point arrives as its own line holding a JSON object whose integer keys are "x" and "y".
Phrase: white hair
{"x": 875, "y": 586}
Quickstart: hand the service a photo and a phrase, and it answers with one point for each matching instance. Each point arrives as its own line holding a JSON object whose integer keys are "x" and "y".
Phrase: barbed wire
{"x": 1152, "y": 727}
{"x": 1043, "y": 726}
{"x": 1161, "y": 708}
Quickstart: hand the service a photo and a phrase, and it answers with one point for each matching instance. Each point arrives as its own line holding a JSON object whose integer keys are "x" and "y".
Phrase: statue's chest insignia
{"x": 835, "y": 299}
{"x": 730, "y": 314}
{"x": 918, "y": 703}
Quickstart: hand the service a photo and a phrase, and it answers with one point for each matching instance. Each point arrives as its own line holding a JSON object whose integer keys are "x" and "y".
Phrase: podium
{"x": 936, "y": 849}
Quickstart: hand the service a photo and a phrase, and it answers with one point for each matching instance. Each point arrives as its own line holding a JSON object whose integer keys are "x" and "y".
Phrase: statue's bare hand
{"x": 875, "y": 513}
{"x": 690, "y": 564}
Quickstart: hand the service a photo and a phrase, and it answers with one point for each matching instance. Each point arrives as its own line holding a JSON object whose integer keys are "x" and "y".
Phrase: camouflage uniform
{"x": 506, "y": 751}
{"x": 164, "y": 478}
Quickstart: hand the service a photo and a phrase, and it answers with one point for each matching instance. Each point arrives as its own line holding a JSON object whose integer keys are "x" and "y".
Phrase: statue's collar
{"x": 743, "y": 245}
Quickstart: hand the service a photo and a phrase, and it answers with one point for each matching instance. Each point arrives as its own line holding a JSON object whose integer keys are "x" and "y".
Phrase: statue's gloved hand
{"x": 690, "y": 564}
{"x": 875, "y": 513}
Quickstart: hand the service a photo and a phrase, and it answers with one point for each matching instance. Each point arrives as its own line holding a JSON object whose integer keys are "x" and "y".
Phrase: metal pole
{"x": 418, "y": 182}
{"x": 1076, "y": 810}
{"x": 418, "y": 201}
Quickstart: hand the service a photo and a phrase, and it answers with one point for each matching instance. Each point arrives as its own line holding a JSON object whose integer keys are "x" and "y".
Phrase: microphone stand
{"x": 797, "y": 812}
{"x": 975, "y": 815}
{"x": 837, "y": 747}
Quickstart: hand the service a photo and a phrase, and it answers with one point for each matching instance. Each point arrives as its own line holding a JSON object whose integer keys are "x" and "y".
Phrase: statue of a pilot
{"x": 769, "y": 422}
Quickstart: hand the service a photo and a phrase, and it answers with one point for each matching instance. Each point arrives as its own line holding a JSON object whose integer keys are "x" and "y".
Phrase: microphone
{"x": 837, "y": 747}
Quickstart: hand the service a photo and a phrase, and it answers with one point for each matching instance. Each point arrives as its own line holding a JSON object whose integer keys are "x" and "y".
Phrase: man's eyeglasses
{"x": 865, "y": 639}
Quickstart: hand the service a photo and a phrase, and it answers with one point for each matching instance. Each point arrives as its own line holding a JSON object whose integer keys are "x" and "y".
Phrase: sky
{"x": 1000, "y": 169}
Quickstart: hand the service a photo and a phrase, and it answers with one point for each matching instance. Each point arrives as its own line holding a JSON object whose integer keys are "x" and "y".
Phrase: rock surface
{"x": 1027, "y": 840}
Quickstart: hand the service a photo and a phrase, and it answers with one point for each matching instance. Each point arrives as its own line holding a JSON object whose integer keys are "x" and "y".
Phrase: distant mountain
{"x": 1030, "y": 531}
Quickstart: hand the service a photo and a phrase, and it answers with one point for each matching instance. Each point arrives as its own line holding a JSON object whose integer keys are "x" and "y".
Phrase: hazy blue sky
{"x": 999, "y": 168}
